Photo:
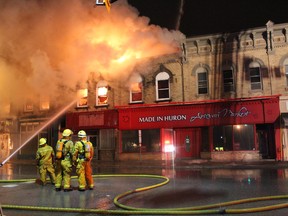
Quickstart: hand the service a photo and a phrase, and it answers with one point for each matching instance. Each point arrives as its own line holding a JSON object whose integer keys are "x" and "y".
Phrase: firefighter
{"x": 45, "y": 159}
{"x": 83, "y": 154}
{"x": 64, "y": 154}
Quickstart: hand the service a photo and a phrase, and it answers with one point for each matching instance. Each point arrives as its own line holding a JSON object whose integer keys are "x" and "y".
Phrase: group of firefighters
{"x": 59, "y": 163}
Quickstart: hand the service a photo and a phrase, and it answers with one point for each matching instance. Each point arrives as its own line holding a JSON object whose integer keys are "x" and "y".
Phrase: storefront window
{"x": 243, "y": 137}
{"x": 149, "y": 139}
{"x": 233, "y": 137}
{"x": 205, "y": 139}
{"x": 222, "y": 138}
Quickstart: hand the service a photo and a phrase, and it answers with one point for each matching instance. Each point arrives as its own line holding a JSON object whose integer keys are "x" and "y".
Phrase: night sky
{"x": 213, "y": 16}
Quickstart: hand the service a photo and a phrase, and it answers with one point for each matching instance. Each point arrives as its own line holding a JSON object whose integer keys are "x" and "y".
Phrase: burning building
{"x": 141, "y": 91}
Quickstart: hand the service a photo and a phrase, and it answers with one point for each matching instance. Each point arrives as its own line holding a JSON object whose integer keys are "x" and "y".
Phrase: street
{"x": 190, "y": 185}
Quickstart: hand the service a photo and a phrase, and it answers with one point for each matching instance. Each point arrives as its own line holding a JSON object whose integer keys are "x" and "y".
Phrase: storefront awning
{"x": 228, "y": 112}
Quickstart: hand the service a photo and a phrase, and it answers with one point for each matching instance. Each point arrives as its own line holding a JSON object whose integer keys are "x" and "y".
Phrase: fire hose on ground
{"x": 219, "y": 208}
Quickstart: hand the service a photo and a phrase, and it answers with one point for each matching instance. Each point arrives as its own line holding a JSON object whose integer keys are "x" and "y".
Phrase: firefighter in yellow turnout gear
{"x": 83, "y": 154}
{"x": 45, "y": 159}
{"x": 64, "y": 154}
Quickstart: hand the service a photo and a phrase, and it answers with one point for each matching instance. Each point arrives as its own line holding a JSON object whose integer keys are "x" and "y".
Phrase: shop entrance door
{"x": 188, "y": 143}
{"x": 266, "y": 142}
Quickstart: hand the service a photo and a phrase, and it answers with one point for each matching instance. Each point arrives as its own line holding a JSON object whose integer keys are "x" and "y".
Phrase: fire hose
{"x": 219, "y": 208}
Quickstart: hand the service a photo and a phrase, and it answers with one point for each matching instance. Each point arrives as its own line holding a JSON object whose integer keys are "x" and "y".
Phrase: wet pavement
{"x": 192, "y": 183}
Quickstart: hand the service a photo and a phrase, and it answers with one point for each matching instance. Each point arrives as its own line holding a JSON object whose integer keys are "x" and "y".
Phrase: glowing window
{"x": 44, "y": 103}
{"x": 162, "y": 86}
{"x": 28, "y": 106}
{"x": 82, "y": 95}
{"x": 102, "y": 93}
{"x": 136, "y": 89}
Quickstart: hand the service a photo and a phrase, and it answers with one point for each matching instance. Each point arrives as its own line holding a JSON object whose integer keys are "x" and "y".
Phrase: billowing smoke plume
{"x": 48, "y": 46}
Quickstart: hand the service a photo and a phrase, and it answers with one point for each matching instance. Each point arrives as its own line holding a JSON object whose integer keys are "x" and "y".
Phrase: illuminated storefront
{"x": 237, "y": 129}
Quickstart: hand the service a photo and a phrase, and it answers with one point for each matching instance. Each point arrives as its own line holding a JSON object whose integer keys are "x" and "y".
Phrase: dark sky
{"x": 213, "y": 16}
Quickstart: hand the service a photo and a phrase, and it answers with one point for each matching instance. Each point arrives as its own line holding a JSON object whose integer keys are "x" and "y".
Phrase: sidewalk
{"x": 193, "y": 164}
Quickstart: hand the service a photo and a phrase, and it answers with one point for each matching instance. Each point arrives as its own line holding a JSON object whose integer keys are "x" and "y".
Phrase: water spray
{"x": 39, "y": 130}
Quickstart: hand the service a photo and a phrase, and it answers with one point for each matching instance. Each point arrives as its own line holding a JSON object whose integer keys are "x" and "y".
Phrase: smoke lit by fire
{"x": 48, "y": 46}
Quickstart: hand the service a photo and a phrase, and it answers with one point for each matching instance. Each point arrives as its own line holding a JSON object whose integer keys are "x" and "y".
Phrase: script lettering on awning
{"x": 243, "y": 112}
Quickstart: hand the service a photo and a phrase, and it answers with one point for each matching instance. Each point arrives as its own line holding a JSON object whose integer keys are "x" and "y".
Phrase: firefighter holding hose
{"x": 83, "y": 154}
{"x": 45, "y": 158}
{"x": 64, "y": 154}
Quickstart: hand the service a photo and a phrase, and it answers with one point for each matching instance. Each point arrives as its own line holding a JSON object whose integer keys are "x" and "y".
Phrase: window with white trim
{"x": 202, "y": 80}
{"x": 163, "y": 86}
{"x": 255, "y": 76}
{"x": 102, "y": 93}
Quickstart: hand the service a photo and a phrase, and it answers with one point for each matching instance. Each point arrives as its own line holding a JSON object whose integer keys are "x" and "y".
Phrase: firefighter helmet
{"x": 67, "y": 132}
{"x": 81, "y": 133}
{"x": 42, "y": 141}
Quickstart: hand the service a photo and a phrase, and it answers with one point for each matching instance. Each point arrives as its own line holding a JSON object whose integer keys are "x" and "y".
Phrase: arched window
{"x": 136, "y": 89}
{"x": 255, "y": 76}
{"x": 228, "y": 79}
{"x": 102, "y": 93}
{"x": 202, "y": 80}
{"x": 162, "y": 86}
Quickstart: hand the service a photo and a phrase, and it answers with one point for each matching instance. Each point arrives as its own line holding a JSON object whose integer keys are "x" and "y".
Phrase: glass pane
{"x": 163, "y": 84}
{"x": 202, "y": 91}
{"x": 202, "y": 76}
{"x": 136, "y": 96}
{"x": 255, "y": 86}
{"x": 222, "y": 138}
{"x": 163, "y": 94}
{"x": 130, "y": 141}
{"x": 228, "y": 88}
{"x": 151, "y": 141}
{"x": 254, "y": 71}
{"x": 243, "y": 137}
{"x": 255, "y": 79}
{"x": 227, "y": 74}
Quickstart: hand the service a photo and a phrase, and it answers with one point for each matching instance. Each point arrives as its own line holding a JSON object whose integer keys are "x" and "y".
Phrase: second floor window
{"x": 29, "y": 106}
{"x": 44, "y": 103}
{"x": 228, "y": 80}
{"x": 136, "y": 92}
{"x": 162, "y": 86}
{"x": 102, "y": 93}
{"x": 255, "y": 77}
{"x": 202, "y": 82}
{"x": 136, "y": 88}
{"x": 82, "y": 95}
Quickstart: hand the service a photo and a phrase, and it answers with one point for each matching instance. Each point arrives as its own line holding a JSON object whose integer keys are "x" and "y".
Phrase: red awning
{"x": 222, "y": 112}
